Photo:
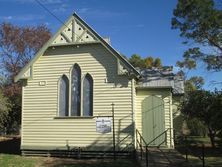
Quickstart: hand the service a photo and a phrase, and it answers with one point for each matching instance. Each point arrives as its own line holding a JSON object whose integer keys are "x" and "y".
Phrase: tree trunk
{"x": 212, "y": 135}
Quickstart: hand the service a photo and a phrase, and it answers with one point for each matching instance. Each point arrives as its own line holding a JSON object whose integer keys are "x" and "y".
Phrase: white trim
{"x": 133, "y": 110}
{"x": 22, "y": 109}
{"x": 76, "y": 19}
{"x": 42, "y": 50}
{"x": 58, "y": 90}
{"x": 171, "y": 123}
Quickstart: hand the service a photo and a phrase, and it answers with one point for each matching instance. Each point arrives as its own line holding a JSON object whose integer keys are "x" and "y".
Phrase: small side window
{"x": 88, "y": 95}
{"x": 63, "y": 96}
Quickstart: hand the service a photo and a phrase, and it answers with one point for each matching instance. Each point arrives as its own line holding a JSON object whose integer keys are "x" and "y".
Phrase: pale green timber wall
{"x": 166, "y": 95}
{"x": 40, "y": 128}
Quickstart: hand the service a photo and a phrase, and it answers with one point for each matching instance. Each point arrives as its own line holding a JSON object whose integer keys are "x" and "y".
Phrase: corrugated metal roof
{"x": 161, "y": 78}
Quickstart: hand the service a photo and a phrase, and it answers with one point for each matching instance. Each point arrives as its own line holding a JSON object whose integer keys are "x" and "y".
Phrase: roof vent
{"x": 107, "y": 39}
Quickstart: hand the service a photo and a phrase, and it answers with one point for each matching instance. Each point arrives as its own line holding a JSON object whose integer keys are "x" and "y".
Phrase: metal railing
{"x": 188, "y": 150}
{"x": 165, "y": 137}
{"x": 142, "y": 143}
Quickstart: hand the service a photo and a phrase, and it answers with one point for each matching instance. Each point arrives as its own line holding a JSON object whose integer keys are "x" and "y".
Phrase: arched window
{"x": 63, "y": 96}
{"x": 76, "y": 90}
{"x": 88, "y": 95}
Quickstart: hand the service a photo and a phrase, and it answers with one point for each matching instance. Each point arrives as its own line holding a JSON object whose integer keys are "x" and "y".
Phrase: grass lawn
{"x": 209, "y": 161}
{"x": 7, "y": 160}
{"x": 213, "y": 156}
{"x": 10, "y": 157}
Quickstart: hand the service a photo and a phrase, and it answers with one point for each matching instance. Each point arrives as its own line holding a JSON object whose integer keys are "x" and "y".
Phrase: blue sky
{"x": 141, "y": 26}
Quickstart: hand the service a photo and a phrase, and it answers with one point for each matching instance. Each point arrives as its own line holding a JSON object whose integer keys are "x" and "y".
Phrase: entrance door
{"x": 153, "y": 119}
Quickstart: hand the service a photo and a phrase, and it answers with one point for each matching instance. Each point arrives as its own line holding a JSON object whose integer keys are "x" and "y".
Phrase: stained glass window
{"x": 76, "y": 90}
{"x": 88, "y": 96}
{"x": 64, "y": 96}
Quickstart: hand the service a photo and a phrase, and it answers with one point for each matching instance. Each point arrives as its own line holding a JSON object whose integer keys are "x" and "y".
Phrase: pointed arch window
{"x": 64, "y": 96}
{"x": 88, "y": 95}
{"x": 75, "y": 90}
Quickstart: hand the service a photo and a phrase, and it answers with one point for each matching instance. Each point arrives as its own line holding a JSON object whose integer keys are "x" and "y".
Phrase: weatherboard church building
{"x": 76, "y": 83}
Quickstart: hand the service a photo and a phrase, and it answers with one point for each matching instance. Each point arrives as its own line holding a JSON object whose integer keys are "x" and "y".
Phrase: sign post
{"x": 103, "y": 125}
{"x": 114, "y": 142}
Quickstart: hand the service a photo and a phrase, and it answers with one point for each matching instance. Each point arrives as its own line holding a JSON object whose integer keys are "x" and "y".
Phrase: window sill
{"x": 74, "y": 117}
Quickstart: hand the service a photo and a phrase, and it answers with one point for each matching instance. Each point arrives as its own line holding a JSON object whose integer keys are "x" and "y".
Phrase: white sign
{"x": 103, "y": 125}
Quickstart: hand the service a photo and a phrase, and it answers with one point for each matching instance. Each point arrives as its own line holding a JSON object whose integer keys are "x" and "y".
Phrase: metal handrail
{"x": 141, "y": 146}
{"x": 142, "y": 140}
{"x": 164, "y": 132}
{"x": 141, "y": 137}
{"x": 201, "y": 157}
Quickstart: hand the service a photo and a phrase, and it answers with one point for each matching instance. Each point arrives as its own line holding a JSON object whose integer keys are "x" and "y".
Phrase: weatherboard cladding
{"x": 41, "y": 126}
{"x": 41, "y": 129}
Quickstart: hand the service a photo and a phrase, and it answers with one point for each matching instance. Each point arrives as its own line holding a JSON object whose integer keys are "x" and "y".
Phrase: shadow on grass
{"x": 197, "y": 151}
{"x": 10, "y": 145}
{"x": 193, "y": 146}
{"x": 219, "y": 143}
{"x": 89, "y": 162}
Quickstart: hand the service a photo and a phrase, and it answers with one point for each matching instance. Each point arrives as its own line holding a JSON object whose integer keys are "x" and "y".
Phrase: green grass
{"x": 209, "y": 161}
{"x": 213, "y": 156}
{"x": 7, "y": 160}
{"x": 198, "y": 140}
{"x": 9, "y": 157}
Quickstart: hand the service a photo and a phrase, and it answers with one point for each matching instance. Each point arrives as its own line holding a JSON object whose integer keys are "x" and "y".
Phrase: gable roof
{"x": 75, "y": 31}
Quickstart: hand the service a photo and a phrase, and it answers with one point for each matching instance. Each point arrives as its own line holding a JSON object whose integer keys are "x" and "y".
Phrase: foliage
{"x": 194, "y": 145}
{"x": 205, "y": 106}
{"x": 196, "y": 127}
{"x": 147, "y": 62}
{"x": 200, "y": 22}
{"x": 17, "y": 46}
{"x": 4, "y": 111}
{"x": 194, "y": 83}
{"x": 157, "y": 62}
{"x": 137, "y": 61}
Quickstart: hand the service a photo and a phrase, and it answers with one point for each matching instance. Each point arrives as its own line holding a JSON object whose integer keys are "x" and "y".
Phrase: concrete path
{"x": 163, "y": 158}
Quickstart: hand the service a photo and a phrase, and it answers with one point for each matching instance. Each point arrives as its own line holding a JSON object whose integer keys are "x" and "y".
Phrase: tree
{"x": 137, "y": 61}
{"x": 200, "y": 23}
{"x": 148, "y": 62}
{"x": 17, "y": 46}
{"x": 4, "y": 109}
{"x": 157, "y": 63}
{"x": 207, "y": 107}
{"x": 194, "y": 83}
{"x": 195, "y": 126}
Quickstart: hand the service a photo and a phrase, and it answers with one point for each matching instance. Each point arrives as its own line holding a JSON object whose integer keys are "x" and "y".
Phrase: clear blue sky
{"x": 141, "y": 26}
